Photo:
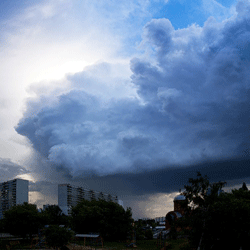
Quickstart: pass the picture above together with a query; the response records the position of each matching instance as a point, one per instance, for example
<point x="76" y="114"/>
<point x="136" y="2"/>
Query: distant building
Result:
<point x="12" y="193"/>
<point x="69" y="196"/>
<point x="160" y="220"/>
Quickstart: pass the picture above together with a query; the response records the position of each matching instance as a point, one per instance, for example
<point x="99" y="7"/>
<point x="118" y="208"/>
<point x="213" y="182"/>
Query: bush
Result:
<point x="107" y="218"/>
<point x="58" y="236"/>
<point x="22" y="220"/>
<point x="149" y="234"/>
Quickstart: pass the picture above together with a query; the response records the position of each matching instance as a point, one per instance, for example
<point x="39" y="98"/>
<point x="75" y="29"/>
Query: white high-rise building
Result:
<point x="69" y="196"/>
<point x="12" y="193"/>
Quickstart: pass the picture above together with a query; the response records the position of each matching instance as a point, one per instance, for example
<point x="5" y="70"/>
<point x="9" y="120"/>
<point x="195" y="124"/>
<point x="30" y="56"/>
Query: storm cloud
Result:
<point x="10" y="170"/>
<point x="187" y="102"/>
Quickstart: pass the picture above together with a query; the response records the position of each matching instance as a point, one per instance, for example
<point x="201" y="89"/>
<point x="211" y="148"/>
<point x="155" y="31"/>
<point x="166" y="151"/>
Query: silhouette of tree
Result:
<point x="108" y="218"/>
<point x="53" y="215"/>
<point x="57" y="237"/>
<point x="244" y="186"/>
<point x="218" y="220"/>
<point x="22" y="220"/>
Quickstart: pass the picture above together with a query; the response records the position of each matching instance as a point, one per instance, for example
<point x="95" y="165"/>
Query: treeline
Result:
<point x="214" y="219"/>
<point x="108" y="219"/>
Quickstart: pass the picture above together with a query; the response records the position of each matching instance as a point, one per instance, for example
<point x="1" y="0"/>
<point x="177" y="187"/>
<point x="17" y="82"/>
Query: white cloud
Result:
<point x="44" y="42"/>
<point x="217" y="10"/>
<point x="192" y="101"/>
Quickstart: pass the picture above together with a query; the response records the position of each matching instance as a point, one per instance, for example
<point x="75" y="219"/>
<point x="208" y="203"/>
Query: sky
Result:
<point x="130" y="98"/>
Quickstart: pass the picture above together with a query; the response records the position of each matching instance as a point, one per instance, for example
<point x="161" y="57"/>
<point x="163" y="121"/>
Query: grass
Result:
<point x="141" y="245"/>
<point x="18" y="244"/>
<point x="178" y="244"/>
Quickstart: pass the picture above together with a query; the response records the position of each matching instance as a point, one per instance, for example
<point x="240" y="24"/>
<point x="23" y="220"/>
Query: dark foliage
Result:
<point x="149" y="234"/>
<point x="107" y="218"/>
<point x="217" y="220"/>
<point x="1" y="226"/>
<point x="244" y="187"/>
<point x="143" y="228"/>
<point x="58" y="237"/>
<point x="22" y="220"/>
<point x="53" y="215"/>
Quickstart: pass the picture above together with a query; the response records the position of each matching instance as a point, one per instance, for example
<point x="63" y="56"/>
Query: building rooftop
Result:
<point x="179" y="198"/>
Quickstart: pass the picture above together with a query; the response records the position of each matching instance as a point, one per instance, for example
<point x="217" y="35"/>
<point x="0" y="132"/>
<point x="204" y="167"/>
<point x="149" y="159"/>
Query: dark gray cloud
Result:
<point x="9" y="170"/>
<point x="191" y="107"/>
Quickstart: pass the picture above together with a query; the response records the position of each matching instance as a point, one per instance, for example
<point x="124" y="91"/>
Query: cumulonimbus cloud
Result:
<point x="187" y="101"/>
<point x="10" y="170"/>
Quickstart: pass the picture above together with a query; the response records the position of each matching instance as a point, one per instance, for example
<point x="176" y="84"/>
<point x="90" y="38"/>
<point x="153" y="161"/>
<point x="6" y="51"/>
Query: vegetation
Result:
<point x="143" y="229"/>
<point x="53" y="215"/>
<point x="1" y="225"/>
<point x="216" y="220"/>
<point x="22" y="220"/>
<point x="107" y="218"/>
<point x="57" y="237"/>
<point x="141" y="245"/>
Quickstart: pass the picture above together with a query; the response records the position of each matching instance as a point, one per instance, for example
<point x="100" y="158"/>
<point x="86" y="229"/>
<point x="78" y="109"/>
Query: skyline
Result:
<point x="132" y="98"/>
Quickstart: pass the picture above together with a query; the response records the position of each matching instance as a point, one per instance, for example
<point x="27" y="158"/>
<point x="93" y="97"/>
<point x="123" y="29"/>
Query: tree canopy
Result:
<point x="22" y="220"/>
<point x="200" y="193"/>
<point x="217" y="219"/>
<point x="109" y="219"/>
<point x="53" y="215"/>
<point x="58" y="237"/>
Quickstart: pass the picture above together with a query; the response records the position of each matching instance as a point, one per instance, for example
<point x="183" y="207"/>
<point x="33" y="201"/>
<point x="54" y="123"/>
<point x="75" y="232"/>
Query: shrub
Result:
<point x="57" y="236"/>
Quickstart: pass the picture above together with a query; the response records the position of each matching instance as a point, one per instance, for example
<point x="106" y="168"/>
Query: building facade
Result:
<point x="12" y="193"/>
<point x="179" y="211"/>
<point x="160" y="220"/>
<point x="69" y="196"/>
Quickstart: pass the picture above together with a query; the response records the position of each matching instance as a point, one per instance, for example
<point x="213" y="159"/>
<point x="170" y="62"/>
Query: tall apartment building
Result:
<point x="69" y="196"/>
<point x="12" y="193"/>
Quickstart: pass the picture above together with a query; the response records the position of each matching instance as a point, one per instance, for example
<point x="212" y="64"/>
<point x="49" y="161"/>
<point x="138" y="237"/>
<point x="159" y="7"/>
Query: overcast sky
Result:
<point x="126" y="97"/>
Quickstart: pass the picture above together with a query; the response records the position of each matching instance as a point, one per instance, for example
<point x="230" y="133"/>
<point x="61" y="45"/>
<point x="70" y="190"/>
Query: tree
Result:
<point x="217" y="220"/>
<point x="53" y="215"/>
<point x="149" y="234"/>
<point x="229" y="217"/>
<point x="244" y="186"/>
<point x="143" y="228"/>
<point x="1" y="225"/>
<point x="200" y="193"/>
<point x="58" y="237"/>
<point x="140" y="233"/>
<point x="107" y="218"/>
<point x="22" y="219"/>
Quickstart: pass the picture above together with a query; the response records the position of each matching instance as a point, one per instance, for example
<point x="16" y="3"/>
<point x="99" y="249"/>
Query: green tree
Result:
<point x="22" y="220"/>
<point x="1" y="225"/>
<point x="229" y="217"/>
<point x="149" y="234"/>
<point x="140" y="233"/>
<point x="200" y="193"/>
<point x="217" y="220"/>
<point x="53" y="215"/>
<point x="107" y="218"/>
<point x="57" y="237"/>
